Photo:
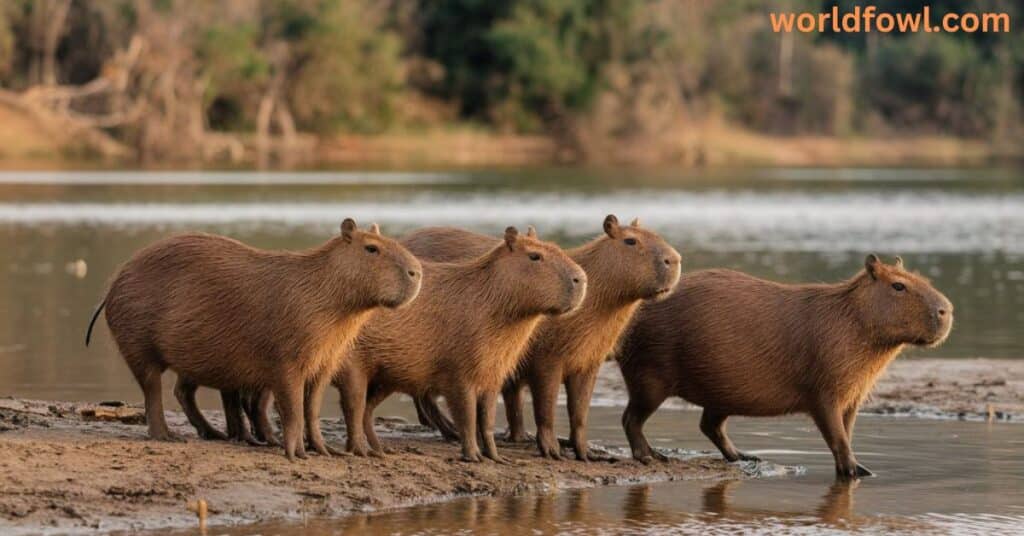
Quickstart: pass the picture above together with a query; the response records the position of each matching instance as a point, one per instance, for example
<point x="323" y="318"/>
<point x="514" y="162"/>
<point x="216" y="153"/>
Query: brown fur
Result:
<point x="569" y="349"/>
<point x="738" y="345"/>
<point x="229" y="316"/>
<point x="460" y="339"/>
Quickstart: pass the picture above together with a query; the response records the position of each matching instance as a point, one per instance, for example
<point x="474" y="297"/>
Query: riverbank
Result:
<point x="28" y="143"/>
<point x="64" y="469"/>
<point x="61" y="471"/>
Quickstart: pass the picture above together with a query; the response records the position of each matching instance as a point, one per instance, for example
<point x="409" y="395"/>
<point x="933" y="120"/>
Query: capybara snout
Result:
<point x="903" y="306"/>
<point x="393" y="275"/>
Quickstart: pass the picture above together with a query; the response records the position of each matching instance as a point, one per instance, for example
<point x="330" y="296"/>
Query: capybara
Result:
<point x="624" y="266"/>
<point x="460" y="339"/>
<point x="738" y="345"/>
<point x="229" y="316"/>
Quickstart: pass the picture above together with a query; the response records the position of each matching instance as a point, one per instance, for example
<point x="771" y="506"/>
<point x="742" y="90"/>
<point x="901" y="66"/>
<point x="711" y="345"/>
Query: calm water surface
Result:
<point x="62" y="235"/>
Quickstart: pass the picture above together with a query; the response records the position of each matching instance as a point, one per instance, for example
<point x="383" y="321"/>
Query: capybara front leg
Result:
<point x="849" y="419"/>
<point x="544" y="388"/>
<point x="830" y="422"/>
<point x="313" y="400"/>
<point x="352" y="385"/>
<point x="185" y="392"/>
<point x="462" y="403"/>
<point x="289" y="394"/>
<point x="633" y="418"/>
<point x="579" y="388"/>
<point x="512" y="393"/>
<point x="487" y="406"/>
<point x="712" y="424"/>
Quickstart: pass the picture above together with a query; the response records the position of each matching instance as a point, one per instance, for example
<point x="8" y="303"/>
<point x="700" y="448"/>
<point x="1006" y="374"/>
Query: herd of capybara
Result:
<point x="448" y="313"/>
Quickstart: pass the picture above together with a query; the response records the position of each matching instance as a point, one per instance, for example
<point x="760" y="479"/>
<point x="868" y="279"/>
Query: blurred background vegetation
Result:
<point x="640" y="81"/>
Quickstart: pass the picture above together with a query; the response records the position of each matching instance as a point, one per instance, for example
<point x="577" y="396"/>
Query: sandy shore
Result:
<point x="62" y="471"/>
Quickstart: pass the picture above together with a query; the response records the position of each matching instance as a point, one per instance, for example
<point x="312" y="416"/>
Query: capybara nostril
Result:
<point x="942" y="312"/>
<point x="412" y="274"/>
<point x="668" y="262"/>
<point x="576" y="281"/>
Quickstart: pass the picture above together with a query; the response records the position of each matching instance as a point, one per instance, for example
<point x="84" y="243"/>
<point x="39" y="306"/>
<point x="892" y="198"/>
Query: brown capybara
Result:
<point x="624" y="266"/>
<point x="460" y="339"/>
<point x="229" y="316"/>
<point x="738" y="345"/>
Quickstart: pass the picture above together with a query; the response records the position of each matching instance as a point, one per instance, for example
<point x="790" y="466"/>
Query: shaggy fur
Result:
<point x="229" y="316"/>
<point x="624" y="266"/>
<point x="460" y="339"/>
<point x="738" y="345"/>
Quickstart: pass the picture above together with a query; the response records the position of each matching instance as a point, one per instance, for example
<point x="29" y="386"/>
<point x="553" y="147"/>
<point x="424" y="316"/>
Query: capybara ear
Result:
<point x="636" y="222"/>
<point x="531" y="231"/>
<point x="375" y="229"/>
<point x="871" y="264"/>
<point x="611" y="226"/>
<point x="511" y="235"/>
<point x="899" y="262"/>
<point x="347" y="228"/>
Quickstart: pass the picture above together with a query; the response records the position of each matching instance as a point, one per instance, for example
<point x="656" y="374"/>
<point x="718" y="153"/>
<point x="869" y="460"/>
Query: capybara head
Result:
<point x="901" y="307"/>
<point x="382" y="271"/>
<point x="636" y="262"/>
<point x="536" y="276"/>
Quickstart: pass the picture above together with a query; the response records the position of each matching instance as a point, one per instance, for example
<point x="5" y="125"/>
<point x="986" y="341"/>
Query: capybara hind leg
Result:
<point x="712" y="424"/>
<point x="289" y="393"/>
<point x="238" y="427"/>
<point x="149" y="379"/>
<point x="830" y="423"/>
<point x="373" y="400"/>
<point x="432" y="414"/>
<point x="579" y="388"/>
<point x="633" y="419"/>
<point x="544" y="388"/>
<point x="512" y="394"/>
<point x="352" y="386"/>
<point x="462" y="403"/>
<point x="487" y="406"/>
<point x="185" y="392"/>
<point x="849" y="419"/>
<point x="421" y="412"/>
<point x="257" y="407"/>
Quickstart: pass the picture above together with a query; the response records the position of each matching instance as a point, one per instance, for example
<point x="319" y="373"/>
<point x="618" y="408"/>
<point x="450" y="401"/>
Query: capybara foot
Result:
<point x="864" y="471"/>
<point x="272" y="441"/>
<point x="212" y="434"/>
<point x="471" y="458"/>
<point x="587" y="456"/>
<point x="741" y="456"/>
<point x="551" y="453"/>
<point x="649" y="457"/>
<point x="167" y="435"/>
<point x="854" y="472"/>
<point x="501" y="460"/>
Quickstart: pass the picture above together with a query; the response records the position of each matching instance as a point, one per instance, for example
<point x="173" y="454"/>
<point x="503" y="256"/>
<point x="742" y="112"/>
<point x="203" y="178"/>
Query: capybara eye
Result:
<point x="630" y="241"/>
<point x="899" y="286"/>
<point x="535" y="256"/>
<point x="372" y="249"/>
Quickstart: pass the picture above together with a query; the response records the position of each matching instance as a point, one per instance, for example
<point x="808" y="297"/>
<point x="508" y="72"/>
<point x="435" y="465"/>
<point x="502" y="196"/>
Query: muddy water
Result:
<point x="62" y="235"/>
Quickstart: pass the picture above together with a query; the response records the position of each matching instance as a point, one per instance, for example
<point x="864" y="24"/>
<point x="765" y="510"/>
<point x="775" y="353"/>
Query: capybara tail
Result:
<point x="95" y="315"/>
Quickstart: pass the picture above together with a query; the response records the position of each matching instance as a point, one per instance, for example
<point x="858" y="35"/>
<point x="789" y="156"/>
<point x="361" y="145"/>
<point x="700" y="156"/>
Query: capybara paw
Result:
<point x="743" y="456"/>
<point x="864" y="471"/>
<point x="168" y="436"/>
<point x="212" y="435"/>
<point x="359" y="450"/>
<point x="551" y="453"/>
<point x="471" y="458"/>
<point x="337" y="452"/>
<point x="659" y="456"/>
<point x="849" y="473"/>
<point x="251" y="440"/>
<point x="501" y="460"/>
